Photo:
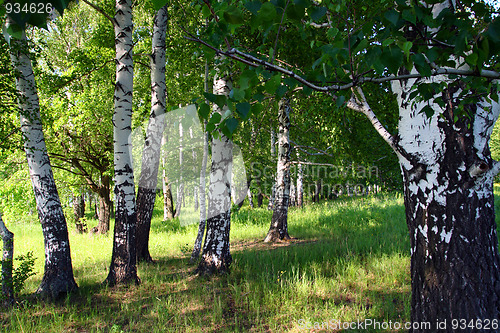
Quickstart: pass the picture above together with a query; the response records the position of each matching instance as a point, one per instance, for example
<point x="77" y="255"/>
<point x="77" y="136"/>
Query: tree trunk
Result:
<point x="300" y="183"/>
<point x="180" y="186"/>
<point x="448" y="186"/>
<point x="270" y="204"/>
<point x="168" y="200"/>
<point x="146" y="193"/>
<point x="105" y="206"/>
<point x="58" y="276"/>
<point x="7" y="264"/>
<point x="123" y="269"/>
<point x="79" y="212"/>
<point x="278" y="230"/>
<point x="216" y="256"/>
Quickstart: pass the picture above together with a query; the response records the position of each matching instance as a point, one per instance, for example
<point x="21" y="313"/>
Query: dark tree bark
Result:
<point x="105" y="205"/>
<point x="278" y="230"/>
<point x="451" y="220"/>
<point x="79" y="212"/>
<point x="146" y="193"/>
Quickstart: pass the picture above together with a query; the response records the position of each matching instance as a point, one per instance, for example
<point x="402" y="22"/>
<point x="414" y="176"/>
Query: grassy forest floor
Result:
<point x="348" y="261"/>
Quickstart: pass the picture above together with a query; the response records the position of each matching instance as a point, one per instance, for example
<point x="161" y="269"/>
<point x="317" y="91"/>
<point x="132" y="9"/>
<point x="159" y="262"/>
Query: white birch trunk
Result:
<point x="300" y="183"/>
<point x="448" y="184"/>
<point x="278" y="230"/>
<point x="216" y="256"/>
<point x="270" y="204"/>
<point x="58" y="273"/>
<point x="146" y="193"/>
<point x="123" y="262"/>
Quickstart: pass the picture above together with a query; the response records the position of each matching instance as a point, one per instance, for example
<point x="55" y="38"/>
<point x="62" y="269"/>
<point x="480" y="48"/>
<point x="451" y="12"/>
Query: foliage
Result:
<point x="348" y="44"/>
<point x="23" y="271"/>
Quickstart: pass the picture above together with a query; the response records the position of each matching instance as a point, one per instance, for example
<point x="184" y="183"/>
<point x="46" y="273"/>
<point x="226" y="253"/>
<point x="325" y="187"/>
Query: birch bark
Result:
<point x="146" y="193"/>
<point x="278" y="230"/>
<point x="216" y="256"/>
<point x="123" y="268"/>
<point x="58" y="276"/>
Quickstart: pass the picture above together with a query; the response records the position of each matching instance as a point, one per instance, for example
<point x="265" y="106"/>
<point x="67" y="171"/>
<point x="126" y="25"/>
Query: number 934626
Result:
<point x="29" y="8"/>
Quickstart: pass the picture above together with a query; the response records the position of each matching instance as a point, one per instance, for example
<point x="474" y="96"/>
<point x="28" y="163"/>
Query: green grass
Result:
<point x="348" y="261"/>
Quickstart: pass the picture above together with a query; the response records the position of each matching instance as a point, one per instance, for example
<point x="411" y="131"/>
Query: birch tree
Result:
<point x="278" y="230"/>
<point x="442" y="58"/>
<point x="58" y="276"/>
<point x="146" y="192"/>
<point x="123" y="268"/>
<point x="216" y="256"/>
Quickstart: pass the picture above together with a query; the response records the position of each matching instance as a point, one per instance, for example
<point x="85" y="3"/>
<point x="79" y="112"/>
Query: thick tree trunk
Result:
<point x="146" y="193"/>
<point x="58" y="276"/>
<point x="105" y="206"/>
<point x="216" y="256"/>
<point x="448" y="181"/>
<point x="278" y="230"/>
<point x="123" y="269"/>
<point x="7" y="264"/>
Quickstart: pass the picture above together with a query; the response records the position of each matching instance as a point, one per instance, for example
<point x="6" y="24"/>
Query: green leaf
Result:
<point x="392" y="16"/>
<point x="231" y="124"/>
<point x="493" y="31"/>
<point x="406" y="47"/>
<point x="340" y="101"/>
<point x="272" y="84"/>
<point x="204" y="110"/>
<point x="237" y="94"/>
<point x="429" y="112"/>
<point x="409" y="16"/>
<point x="332" y="33"/>
<point x="243" y="110"/>
<point x="392" y="58"/>
<point x="421" y="64"/>
<point x="267" y="12"/>
<point x="233" y="15"/>
<point x="471" y="59"/>
<point x="215" y="119"/>
<point x="316" y="13"/>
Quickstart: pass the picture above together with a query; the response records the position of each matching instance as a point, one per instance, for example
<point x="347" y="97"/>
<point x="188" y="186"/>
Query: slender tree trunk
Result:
<point x="216" y="256"/>
<point x="123" y="268"/>
<point x="7" y="264"/>
<point x="272" y="197"/>
<point x="260" y="196"/>
<point x="180" y="187"/>
<point x="79" y="212"/>
<point x="58" y="276"/>
<point x="300" y="183"/>
<point x="146" y="193"/>
<point x="249" y="193"/>
<point x="278" y="230"/>
<point x="168" y="200"/>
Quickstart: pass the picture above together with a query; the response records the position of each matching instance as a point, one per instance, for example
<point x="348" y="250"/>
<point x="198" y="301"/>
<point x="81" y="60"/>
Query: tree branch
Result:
<point x="100" y="10"/>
